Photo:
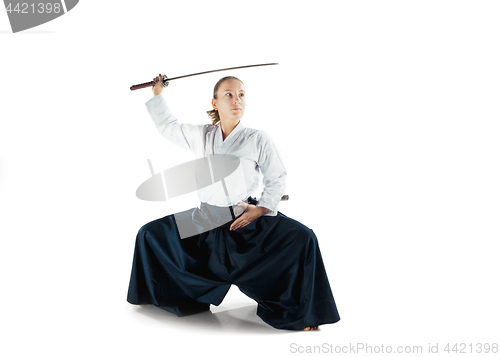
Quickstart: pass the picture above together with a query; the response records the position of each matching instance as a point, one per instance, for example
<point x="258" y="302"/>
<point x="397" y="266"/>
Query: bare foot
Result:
<point x="311" y="328"/>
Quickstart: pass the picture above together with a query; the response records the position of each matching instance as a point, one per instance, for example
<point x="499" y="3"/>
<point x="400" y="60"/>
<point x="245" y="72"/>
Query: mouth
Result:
<point x="236" y="109"/>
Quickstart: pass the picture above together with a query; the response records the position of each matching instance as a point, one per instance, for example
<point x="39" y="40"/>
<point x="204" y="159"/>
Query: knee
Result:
<point x="303" y="233"/>
<point x="146" y="233"/>
<point x="157" y="231"/>
<point x="140" y="239"/>
<point x="308" y="236"/>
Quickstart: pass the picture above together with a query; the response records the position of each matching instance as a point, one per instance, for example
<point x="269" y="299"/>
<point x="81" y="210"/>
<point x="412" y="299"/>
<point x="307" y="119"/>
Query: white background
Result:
<point x="386" y="116"/>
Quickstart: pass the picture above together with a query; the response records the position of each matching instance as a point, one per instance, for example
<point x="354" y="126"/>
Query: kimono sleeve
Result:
<point x="274" y="175"/>
<point x="183" y="135"/>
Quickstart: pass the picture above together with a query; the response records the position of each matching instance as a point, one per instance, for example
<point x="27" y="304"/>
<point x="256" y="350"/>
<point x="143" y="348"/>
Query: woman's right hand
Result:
<point x="158" y="87"/>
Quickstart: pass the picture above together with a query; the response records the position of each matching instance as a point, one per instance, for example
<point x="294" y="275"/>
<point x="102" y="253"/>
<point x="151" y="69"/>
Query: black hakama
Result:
<point x="275" y="260"/>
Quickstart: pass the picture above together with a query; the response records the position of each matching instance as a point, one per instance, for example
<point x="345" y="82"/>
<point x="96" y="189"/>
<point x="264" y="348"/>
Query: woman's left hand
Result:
<point x="251" y="213"/>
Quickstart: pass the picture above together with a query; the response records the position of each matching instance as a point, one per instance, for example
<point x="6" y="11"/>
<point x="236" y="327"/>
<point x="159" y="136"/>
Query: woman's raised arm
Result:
<point x="184" y="135"/>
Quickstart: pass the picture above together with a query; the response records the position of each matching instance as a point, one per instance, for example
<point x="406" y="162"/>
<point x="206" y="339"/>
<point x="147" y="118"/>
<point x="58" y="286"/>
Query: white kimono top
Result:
<point x="254" y="148"/>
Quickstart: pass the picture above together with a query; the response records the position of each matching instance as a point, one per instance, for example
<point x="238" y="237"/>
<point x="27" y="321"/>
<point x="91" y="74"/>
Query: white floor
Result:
<point x="233" y="328"/>
<point x="235" y="315"/>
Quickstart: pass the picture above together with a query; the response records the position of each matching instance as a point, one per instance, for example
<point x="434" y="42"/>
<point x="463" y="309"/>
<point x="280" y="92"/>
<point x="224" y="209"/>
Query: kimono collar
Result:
<point x="230" y="139"/>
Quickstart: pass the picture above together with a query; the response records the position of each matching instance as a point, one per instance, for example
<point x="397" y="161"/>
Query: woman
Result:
<point x="272" y="258"/>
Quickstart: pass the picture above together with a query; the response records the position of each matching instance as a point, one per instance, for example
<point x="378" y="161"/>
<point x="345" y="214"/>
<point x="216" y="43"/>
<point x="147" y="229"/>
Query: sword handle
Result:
<point x="142" y="85"/>
<point x="164" y="81"/>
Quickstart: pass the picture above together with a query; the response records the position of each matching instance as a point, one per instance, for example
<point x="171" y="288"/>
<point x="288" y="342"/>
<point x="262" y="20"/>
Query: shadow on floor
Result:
<point x="235" y="320"/>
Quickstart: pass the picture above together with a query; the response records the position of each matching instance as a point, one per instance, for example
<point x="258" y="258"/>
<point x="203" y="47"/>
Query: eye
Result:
<point x="229" y="94"/>
<point x="242" y="94"/>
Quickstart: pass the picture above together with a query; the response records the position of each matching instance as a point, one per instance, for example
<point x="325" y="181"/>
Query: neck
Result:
<point x="227" y="126"/>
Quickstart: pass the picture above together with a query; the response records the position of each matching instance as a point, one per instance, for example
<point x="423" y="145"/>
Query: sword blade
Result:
<point x="219" y="70"/>
<point x="152" y="83"/>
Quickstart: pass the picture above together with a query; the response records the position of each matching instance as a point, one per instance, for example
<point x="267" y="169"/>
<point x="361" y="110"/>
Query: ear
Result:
<point x="214" y="103"/>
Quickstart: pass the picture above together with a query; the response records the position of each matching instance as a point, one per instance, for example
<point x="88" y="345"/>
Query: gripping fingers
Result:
<point x="157" y="89"/>
<point x="156" y="81"/>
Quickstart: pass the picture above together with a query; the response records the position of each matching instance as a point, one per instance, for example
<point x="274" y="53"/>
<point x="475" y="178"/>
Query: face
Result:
<point x="230" y="100"/>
